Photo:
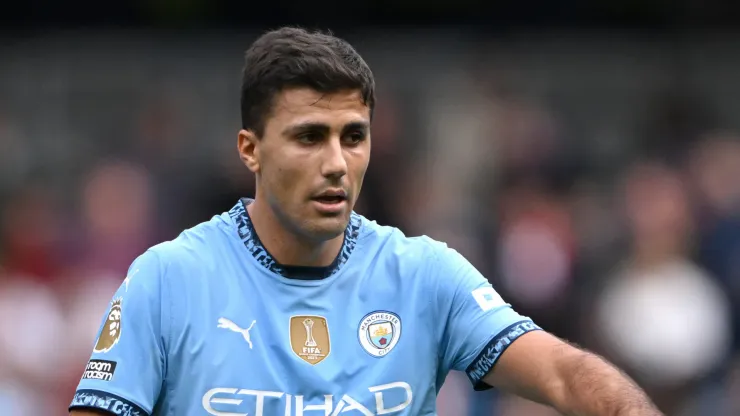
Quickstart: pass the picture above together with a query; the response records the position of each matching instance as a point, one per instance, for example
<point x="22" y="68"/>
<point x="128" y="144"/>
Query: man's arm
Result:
<point x="126" y="368"/>
<point x="496" y="346"/>
<point x="542" y="368"/>
<point x="87" y="413"/>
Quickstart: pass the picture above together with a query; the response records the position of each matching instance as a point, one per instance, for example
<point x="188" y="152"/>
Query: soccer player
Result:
<point x="292" y="304"/>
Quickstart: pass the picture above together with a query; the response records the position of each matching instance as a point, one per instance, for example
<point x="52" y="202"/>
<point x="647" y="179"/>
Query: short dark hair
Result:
<point x="293" y="57"/>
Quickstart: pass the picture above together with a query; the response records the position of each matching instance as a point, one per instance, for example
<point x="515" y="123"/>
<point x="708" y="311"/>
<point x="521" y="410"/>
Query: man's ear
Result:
<point x="249" y="150"/>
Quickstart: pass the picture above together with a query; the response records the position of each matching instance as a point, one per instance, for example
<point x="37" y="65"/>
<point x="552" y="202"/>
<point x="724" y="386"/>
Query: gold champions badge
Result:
<point x="309" y="338"/>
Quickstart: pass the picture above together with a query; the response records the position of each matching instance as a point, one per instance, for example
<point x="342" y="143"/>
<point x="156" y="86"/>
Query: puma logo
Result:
<point x="127" y="280"/>
<point x="227" y="324"/>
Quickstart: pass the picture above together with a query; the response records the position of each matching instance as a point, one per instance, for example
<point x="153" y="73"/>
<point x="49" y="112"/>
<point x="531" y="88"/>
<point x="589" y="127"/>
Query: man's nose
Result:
<point x="334" y="163"/>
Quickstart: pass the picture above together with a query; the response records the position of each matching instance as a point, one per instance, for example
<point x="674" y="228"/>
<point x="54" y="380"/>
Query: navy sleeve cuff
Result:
<point x="487" y="358"/>
<point x="100" y="400"/>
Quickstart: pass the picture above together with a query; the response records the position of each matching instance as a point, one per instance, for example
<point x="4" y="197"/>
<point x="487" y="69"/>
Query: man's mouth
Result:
<point x="332" y="196"/>
<point x="331" y="201"/>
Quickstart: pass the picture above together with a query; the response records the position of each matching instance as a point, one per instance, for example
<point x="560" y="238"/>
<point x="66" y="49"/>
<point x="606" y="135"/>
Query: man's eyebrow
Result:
<point x="323" y="128"/>
<point x="303" y="127"/>
<point x="363" y="126"/>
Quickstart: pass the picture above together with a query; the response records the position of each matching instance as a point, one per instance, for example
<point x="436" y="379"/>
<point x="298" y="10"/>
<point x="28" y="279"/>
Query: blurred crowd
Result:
<point x="596" y="183"/>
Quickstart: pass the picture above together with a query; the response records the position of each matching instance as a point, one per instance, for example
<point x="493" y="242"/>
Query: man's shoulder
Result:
<point x="392" y="241"/>
<point x="202" y="244"/>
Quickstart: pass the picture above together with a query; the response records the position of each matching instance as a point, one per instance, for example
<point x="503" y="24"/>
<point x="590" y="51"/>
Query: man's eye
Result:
<point x="309" y="138"/>
<point x="356" y="137"/>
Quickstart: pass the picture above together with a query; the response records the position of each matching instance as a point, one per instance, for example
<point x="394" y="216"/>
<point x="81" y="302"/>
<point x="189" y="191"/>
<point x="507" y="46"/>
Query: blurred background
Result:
<point x="586" y="158"/>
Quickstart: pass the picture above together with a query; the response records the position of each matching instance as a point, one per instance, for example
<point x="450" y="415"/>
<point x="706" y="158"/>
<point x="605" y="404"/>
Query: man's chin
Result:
<point x="328" y="228"/>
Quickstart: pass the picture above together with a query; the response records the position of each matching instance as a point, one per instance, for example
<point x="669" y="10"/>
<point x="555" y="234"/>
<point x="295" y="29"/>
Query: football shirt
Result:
<point x="211" y="323"/>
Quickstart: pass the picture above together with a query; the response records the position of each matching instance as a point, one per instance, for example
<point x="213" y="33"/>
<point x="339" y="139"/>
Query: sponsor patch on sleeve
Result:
<point x="99" y="370"/>
<point x="487" y="298"/>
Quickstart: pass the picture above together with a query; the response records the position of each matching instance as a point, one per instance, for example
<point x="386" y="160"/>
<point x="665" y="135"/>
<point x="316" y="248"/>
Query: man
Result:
<point x="291" y="304"/>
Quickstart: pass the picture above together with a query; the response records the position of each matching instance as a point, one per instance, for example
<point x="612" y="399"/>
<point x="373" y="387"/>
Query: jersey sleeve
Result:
<point x="126" y="370"/>
<point x="478" y="324"/>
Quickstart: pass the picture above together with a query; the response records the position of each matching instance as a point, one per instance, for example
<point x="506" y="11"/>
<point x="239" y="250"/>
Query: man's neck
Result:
<point x="289" y="248"/>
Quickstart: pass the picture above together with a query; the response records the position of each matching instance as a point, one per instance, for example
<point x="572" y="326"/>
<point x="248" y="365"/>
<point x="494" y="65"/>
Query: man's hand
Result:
<point x="540" y="367"/>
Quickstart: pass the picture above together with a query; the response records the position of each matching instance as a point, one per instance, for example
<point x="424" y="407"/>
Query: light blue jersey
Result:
<point x="211" y="324"/>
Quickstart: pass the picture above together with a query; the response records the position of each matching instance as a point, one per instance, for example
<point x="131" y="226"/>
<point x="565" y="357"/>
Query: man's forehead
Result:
<point x="308" y="100"/>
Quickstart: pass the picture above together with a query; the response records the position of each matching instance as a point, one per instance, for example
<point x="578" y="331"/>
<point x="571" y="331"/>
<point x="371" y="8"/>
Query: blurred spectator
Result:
<point x="117" y="212"/>
<point x="663" y="317"/>
<point x="715" y="169"/>
<point x="32" y="325"/>
<point x="31" y="237"/>
<point x="537" y="247"/>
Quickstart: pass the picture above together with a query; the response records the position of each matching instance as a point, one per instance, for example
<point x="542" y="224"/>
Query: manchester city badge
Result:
<point x="379" y="332"/>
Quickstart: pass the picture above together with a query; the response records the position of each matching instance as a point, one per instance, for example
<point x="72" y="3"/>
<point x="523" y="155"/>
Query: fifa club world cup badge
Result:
<point x="379" y="332"/>
<point x="309" y="338"/>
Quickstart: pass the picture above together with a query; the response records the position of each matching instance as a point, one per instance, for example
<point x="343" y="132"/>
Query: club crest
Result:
<point x="379" y="332"/>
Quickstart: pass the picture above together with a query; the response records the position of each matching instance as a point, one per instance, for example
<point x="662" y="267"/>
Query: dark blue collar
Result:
<point x="253" y="244"/>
